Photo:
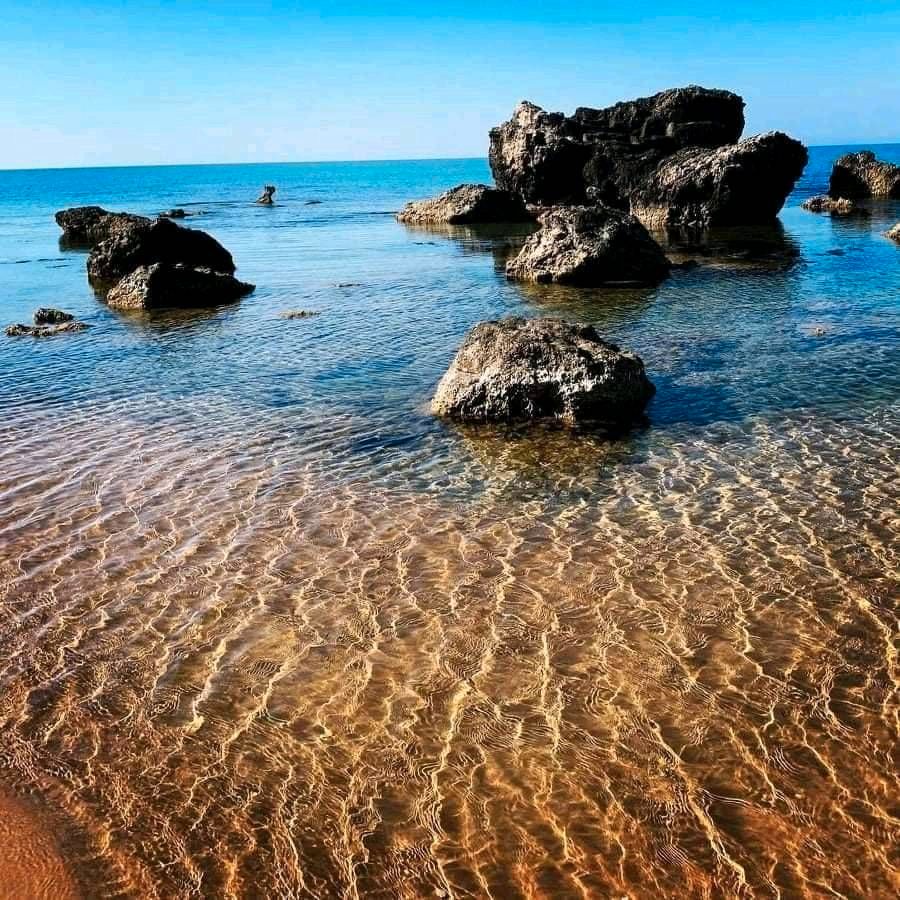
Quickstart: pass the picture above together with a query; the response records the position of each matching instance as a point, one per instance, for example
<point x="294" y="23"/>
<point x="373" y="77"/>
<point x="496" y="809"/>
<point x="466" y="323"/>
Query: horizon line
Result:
<point x="325" y="162"/>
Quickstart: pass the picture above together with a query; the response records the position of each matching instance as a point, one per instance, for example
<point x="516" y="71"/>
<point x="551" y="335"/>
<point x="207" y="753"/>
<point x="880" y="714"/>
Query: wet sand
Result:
<point x="31" y="864"/>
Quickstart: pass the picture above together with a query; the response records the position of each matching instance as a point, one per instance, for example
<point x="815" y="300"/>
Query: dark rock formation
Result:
<point x="266" y="197"/>
<point x="859" y="175"/>
<point x="671" y="159"/>
<point x="88" y="225"/>
<point x="840" y="206"/>
<point x="465" y="205"/>
<point x="520" y="369"/>
<point x="168" y="285"/>
<point x="176" y="213"/>
<point x="47" y="316"/>
<point x="604" y="154"/>
<point x="744" y="183"/>
<point x="589" y="246"/>
<point x="20" y="330"/>
<point x="894" y="233"/>
<point x="148" y="242"/>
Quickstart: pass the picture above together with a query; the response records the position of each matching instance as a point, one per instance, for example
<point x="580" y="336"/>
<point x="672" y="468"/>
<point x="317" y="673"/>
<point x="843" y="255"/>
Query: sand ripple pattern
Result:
<point x="237" y="677"/>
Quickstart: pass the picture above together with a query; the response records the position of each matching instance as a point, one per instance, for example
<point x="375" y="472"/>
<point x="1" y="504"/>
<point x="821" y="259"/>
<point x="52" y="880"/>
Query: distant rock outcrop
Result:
<point x="466" y="204"/>
<point x="744" y="183"/>
<point x="168" y="285"/>
<point x="590" y="246"/>
<point x="149" y="242"/>
<point x="521" y="369"/>
<point x="88" y="225"/>
<point x="860" y="175"/>
<point x="672" y="158"/>
<point x="267" y="197"/>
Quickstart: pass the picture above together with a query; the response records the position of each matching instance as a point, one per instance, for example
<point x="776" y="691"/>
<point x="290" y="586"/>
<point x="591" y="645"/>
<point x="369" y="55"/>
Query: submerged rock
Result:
<point x="20" y="330"/>
<point x="161" y="241"/>
<point x="466" y="204"/>
<point x="589" y="246"/>
<point x="840" y="206"/>
<point x="894" y="233"/>
<point x="168" y="285"/>
<point x="860" y="175"/>
<point x="299" y="314"/>
<point x="88" y="225"/>
<point x="47" y="316"/>
<point x="521" y="369"/>
<point x="743" y="183"/>
<point x="177" y="213"/>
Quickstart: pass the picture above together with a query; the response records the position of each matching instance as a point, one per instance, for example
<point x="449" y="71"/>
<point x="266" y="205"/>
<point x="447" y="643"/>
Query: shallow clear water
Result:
<point x="269" y="629"/>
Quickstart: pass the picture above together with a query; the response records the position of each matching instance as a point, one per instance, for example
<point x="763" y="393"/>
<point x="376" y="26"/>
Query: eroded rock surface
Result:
<point x="744" y="183"/>
<point x="604" y="154"/>
<point x="466" y="204"/>
<point x="524" y="369"/>
<point x="162" y="241"/>
<point x="167" y="285"/>
<point x="860" y="175"/>
<point x="88" y="225"/>
<point x="589" y="246"/>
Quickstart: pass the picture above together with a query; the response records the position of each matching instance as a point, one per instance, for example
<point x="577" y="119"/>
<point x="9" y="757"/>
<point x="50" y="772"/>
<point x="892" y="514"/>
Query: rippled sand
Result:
<point x="675" y="676"/>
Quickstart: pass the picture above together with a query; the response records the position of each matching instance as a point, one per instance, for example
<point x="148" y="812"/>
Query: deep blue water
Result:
<point x="800" y="317"/>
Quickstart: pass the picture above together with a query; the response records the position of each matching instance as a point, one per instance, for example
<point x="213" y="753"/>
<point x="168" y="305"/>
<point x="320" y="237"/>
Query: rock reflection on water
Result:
<point x="238" y="677"/>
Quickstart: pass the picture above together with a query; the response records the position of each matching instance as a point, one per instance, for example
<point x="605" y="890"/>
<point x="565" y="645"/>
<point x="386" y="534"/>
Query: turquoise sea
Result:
<point x="268" y="628"/>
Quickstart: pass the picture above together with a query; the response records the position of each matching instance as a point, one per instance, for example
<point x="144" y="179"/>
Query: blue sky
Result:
<point x="107" y="83"/>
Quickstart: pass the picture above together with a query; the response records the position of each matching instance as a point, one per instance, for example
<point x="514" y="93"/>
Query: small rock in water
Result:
<point x="590" y="245"/>
<point x="348" y="284"/>
<point x="47" y="316"/>
<point x="527" y="369"/>
<point x="299" y="314"/>
<point x="173" y="214"/>
<point x="894" y="233"/>
<point x="840" y="206"/>
<point x="312" y="202"/>
<point x="20" y="330"/>
<point x="266" y="197"/>
<point x="836" y="252"/>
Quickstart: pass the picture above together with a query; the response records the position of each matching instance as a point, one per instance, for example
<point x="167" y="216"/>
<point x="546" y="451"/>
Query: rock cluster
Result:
<point x="590" y="245"/>
<point x="860" y="175"/>
<point x="521" y="369"/>
<point x="674" y="158"/>
<point x="839" y="206"/>
<point x="47" y="322"/>
<point x="141" y="263"/>
<point x="466" y="204"/>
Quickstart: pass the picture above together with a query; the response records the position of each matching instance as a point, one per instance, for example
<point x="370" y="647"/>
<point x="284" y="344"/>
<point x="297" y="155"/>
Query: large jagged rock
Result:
<point x="466" y="204"/>
<point x="604" y="154"/>
<point x="589" y="246"/>
<point x="161" y="241"/>
<point x="857" y="176"/>
<point x="521" y="369"/>
<point x="744" y="183"/>
<point x="167" y="285"/>
<point x="88" y="225"/>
